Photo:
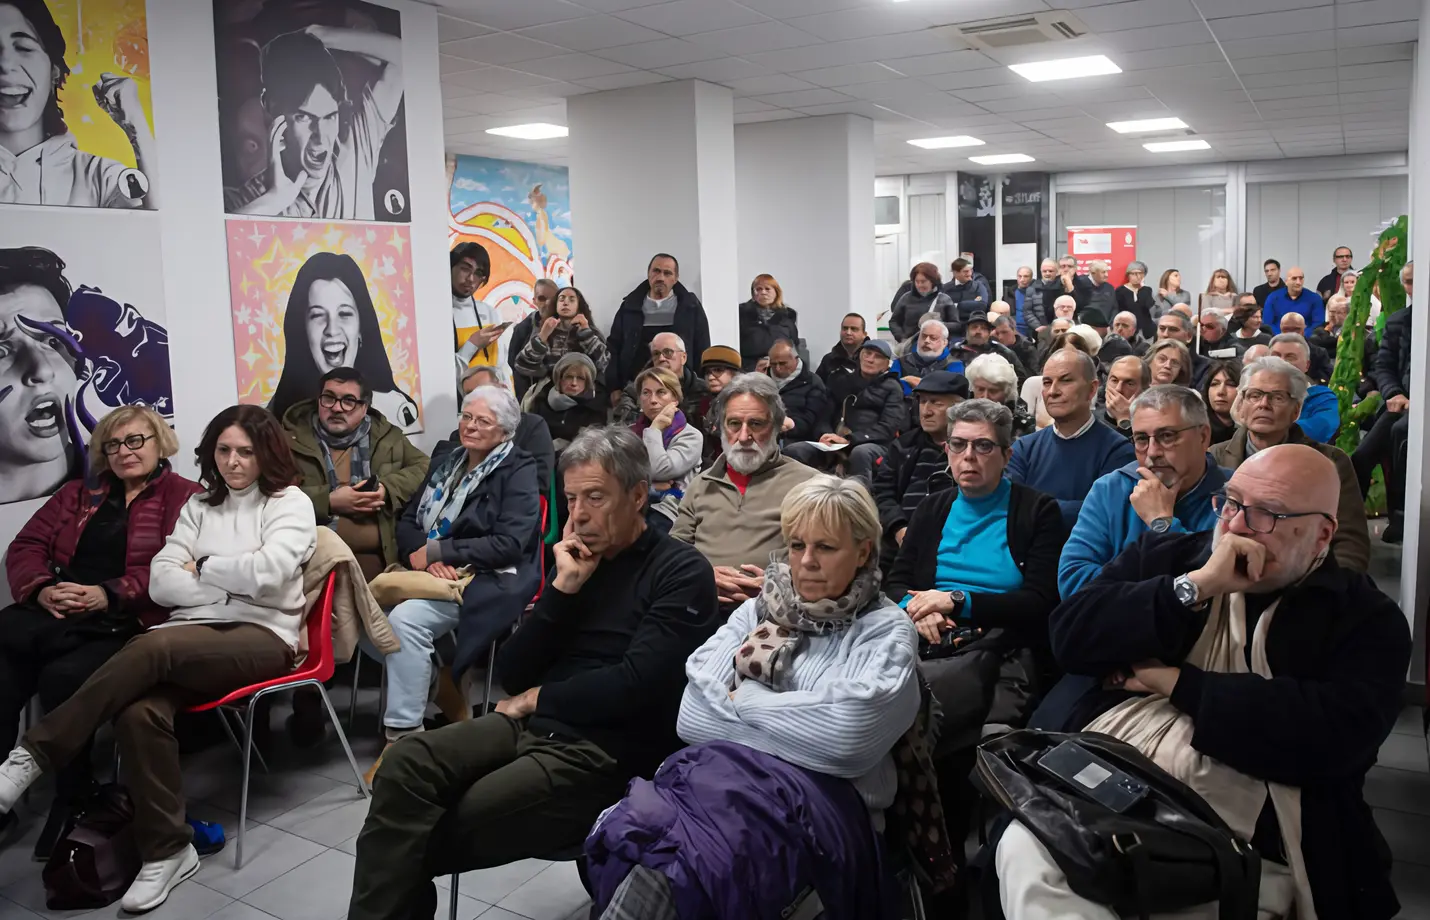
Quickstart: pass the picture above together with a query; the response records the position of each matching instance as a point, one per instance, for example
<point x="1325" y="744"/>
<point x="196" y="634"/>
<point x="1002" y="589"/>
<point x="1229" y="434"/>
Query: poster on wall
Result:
<point x="311" y="116"/>
<point x="1117" y="246"/>
<point x="76" y="123"/>
<point x="308" y="297"/>
<point x="521" y="215"/>
<point x="82" y="331"/>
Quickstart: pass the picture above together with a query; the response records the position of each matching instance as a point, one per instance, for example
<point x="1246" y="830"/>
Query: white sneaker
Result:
<point x="16" y="774"/>
<point x="157" y="879"/>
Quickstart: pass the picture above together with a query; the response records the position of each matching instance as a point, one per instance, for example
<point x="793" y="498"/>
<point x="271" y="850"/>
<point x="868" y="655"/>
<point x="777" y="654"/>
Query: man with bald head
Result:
<point x="1295" y="297"/>
<point x="1124" y="326"/>
<point x="1319" y="363"/>
<point x="1275" y="674"/>
<point x="667" y="352"/>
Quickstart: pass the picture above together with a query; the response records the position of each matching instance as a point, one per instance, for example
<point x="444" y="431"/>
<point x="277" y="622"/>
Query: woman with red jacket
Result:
<point x="79" y="574"/>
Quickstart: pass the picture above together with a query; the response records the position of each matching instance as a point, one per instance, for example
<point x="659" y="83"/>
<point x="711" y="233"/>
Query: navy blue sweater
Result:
<point x="1066" y="469"/>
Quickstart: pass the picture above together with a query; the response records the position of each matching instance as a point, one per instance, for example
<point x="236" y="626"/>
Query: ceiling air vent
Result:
<point x="1035" y="29"/>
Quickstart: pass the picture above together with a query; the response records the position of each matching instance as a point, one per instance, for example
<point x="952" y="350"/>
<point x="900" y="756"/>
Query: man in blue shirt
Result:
<point x="1321" y="412"/>
<point x="1067" y="457"/>
<point x="1293" y="298"/>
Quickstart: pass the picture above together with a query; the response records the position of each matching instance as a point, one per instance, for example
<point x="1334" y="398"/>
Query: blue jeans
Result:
<point x="418" y="624"/>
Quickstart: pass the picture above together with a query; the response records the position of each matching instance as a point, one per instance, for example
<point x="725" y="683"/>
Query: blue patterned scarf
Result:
<point x="448" y="489"/>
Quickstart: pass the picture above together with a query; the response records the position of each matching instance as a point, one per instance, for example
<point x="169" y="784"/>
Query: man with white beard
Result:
<point x="731" y="512"/>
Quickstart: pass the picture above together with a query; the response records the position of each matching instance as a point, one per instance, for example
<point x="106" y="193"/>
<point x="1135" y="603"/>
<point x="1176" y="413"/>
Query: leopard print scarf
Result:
<point x="786" y="620"/>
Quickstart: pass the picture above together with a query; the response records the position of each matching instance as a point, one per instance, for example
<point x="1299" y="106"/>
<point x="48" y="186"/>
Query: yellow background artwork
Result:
<point x="102" y="36"/>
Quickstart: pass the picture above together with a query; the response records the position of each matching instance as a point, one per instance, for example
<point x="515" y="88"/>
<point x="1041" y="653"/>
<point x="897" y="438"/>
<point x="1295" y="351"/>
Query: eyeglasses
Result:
<point x="1166" y="437"/>
<point x="347" y="403"/>
<point x="1276" y="398"/>
<point x="665" y="352"/>
<point x="756" y="426"/>
<point x="481" y="424"/>
<point x="1258" y="520"/>
<point x="133" y="442"/>
<point x="981" y="446"/>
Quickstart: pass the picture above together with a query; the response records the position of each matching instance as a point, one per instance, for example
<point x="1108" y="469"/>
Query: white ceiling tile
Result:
<point x="1294" y="91"/>
<point x="1245" y="28"/>
<point x="859" y="23"/>
<point x="761" y="86"/>
<point x="772" y="115"/>
<point x="577" y="67"/>
<point x="1308" y="43"/>
<point x="818" y="96"/>
<point x="503" y="14"/>
<point x="1367" y="86"/>
<point x="447" y="64"/>
<point x="494" y="79"/>
<point x="946" y="62"/>
<point x="593" y="33"/>
<point x="1138" y="14"/>
<point x="744" y="105"/>
<point x="624" y="80"/>
<point x="873" y="48"/>
<point x="769" y="37"/>
<point x="1399" y="69"/>
<point x="1115" y="43"/>
<point x="500" y="48"/>
<point x="1373" y="54"/>
<point x="721" y="70"/>
<point x="451" y="29"/>
<point x="548" y="91"/>
<point x="1372" y="12"/>
<point x="687" y="17"/>
<point x="1279" y="78"/>
<point x="850" y="74"/>
<point x="868" y="110"/>
<point x="662" y="53"/>
<point x="1373" y="35"/>
<point x="617" y="6"/>
<point x="968" y="79"/>
<point x="904" y="87"/>
<point x="1205" y="53"/>
<point x="789" y="9"/>
<point x="1215" y="9"/>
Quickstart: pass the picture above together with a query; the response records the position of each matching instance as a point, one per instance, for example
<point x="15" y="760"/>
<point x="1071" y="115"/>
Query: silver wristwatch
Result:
<point x="1186" y="590"/>
<point x="1160" y="525"/>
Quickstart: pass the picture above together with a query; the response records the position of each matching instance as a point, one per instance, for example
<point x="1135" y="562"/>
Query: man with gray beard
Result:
<point x="731" y="512"/>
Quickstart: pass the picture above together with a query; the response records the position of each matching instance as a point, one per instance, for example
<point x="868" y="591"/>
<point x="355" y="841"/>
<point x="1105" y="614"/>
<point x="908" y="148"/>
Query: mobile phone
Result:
<point x="1093" y="777"/>
<point x="367" y="485"/>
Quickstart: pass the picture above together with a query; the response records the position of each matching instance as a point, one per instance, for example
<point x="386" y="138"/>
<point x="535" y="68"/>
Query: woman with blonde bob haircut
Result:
<point x="793" y="710"/>
<point x="79" y="574"/>
<point x="765" y="319"/>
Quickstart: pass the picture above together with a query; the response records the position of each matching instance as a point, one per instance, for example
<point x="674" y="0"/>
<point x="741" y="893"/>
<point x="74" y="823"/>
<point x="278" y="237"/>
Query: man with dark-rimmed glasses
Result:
<point x="1256" y="670"/>
<point x="1166" y="489"/>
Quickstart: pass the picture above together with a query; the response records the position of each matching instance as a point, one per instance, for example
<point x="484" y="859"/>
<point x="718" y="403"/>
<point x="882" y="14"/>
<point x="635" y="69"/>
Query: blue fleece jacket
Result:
<point x="1320" y="414"/>
<point x="1108" y="524"/>
<point x="914" y="365"/>
<point x="1279" y="303"/>
<point x="1066" y="468"/>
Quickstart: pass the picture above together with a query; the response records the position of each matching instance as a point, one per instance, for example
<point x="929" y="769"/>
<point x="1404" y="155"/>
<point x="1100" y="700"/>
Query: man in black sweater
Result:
<point x="597" y="672"/>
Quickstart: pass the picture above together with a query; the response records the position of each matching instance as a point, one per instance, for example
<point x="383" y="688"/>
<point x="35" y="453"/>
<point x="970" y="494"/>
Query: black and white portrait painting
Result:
<point x="311" y="116"/>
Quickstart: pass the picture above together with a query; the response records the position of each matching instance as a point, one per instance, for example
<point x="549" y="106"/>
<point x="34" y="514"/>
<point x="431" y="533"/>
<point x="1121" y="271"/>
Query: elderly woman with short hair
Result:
<point x="993" y="378"/>
<point x="479" y="512"/>
<point x="574" y="400"/>
<point x="793" y="708"/>
<point x="1170" y="362"/>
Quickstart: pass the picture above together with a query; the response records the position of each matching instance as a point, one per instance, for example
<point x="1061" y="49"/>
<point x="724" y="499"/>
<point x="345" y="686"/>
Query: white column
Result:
<point x="653" y="170"/>
<point x="807" y="217"/>
<point x="1415" y="560"/>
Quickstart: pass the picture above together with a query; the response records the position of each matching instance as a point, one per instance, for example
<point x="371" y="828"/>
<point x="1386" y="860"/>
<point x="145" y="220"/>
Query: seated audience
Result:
<point x="731" y="512"/>
<point x="1272" y="716"/>
<point x="1218" y="391"/>
<point x="570" y="329"/>
<point x="866" y="412"/>
<point x="805" y="398"/>
<point x="673" y="446"/>
<point x="667" y="353"/>
<point x="1321" y="363"/>
<point x="1110" y="347"/>
<point x="479" y="509"/>
<point x="978" y="340"/>
<point x="232" y="571"/>
<point x="573" y="402"/>
<point x="992" y="378"/>
<point x="356" y="467"/>
<point x="843" y="358"/>
<point x="915" y="465"/>
<point x="532" y="435"/>
<point x="930" y="352"/>
<point x="794" y="709"/>
<point x="1066" y="458"/>
<point x="596" y="673"/>
<point x="1007" y="335"/>
<point x="764" y="320"/>
<point x="1064" y="306"/>
<point x="1254" y="352"/>
<point x="718" y="366"/>
<point x="1328" y="337"/>
<point x="1125" y="327"/>
<point x="1167" y="488"/>
<point x="1268" y="401"/>
<point x="1245" y="323"/>
<point x="1169" y="362"/>
<point x="1032" y="390"/>
<point x="1127" y="377"/>
<point x="1216" y="342"/>
<point x="1135" y="299"/>
<point x="79" y="573"/>
<point x="1321" y="412"/>
<point x="923" y="296"/>
<point x="1385" y="444"/>
<point x="1177" y="326"/>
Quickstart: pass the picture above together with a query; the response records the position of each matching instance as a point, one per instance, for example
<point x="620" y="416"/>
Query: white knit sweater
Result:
<point x="853" y="694"/>
<point x="256" y="547"/>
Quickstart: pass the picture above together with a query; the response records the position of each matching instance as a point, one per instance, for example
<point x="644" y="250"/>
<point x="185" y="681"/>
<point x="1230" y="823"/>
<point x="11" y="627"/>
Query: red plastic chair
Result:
<point x="316" y="669"/>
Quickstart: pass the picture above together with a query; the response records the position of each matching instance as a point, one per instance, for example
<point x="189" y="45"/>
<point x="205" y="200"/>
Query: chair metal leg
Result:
<point x="347" y="749"/>
<point x="916" y="897"/>
<point x="243" y="797"/>
<point x="352" y="700"/>
<point x="228" y="729"/>
<point x="452" y="896"/>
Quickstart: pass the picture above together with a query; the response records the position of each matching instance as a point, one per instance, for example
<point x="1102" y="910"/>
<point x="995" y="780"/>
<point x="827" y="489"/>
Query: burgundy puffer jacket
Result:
<point x="48" y="539"/>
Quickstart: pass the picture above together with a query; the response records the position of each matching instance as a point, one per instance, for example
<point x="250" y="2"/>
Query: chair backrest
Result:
<point x="320" y="662"/>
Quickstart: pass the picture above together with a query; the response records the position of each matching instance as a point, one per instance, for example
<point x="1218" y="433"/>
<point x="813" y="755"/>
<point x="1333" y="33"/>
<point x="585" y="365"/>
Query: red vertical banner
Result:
<point x="1117" y="246"/>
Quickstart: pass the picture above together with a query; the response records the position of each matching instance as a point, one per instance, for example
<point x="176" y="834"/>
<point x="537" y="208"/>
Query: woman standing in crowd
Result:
<point x="795" y="708"/>
<point x="1169" y="362"/>
<point x="1221" y="292"/>
<point x="1219" y="392"/>
<point x="993" y="378"/>
<point x="79" y="573"/>
<point x="924" y="297"/>
<point x="570" y="330"/>
<point x="572" y="401"/>
<point x="1136" y="298"/>
<point x="763" y="319"/>
<point x="672" y="444"/>
<point x="1169" y="294"/>
<point x="1247" y="319"/>
<point x="232" y="571"/>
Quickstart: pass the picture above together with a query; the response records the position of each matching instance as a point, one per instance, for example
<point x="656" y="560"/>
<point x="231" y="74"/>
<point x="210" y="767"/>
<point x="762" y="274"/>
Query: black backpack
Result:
<point x="1168" y="852"/>
<point x="96" y="860"/>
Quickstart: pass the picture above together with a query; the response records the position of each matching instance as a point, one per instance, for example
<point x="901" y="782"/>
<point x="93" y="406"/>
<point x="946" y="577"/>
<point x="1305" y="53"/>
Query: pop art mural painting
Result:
<point x="310" y="296"/>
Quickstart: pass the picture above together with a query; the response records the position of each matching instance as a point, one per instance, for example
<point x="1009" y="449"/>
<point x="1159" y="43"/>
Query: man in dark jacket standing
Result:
<point x="596" y="672"/>
<point x="804" y="395"/>
<point x="843" y="358"/>
<point x="1331" y="284"/>
<point x="659" y="304"/>
<point x="1293" y="712"/>
<point x="969" y="292"/>
<point x="1385" y="443"/>
<point x="1037" y="305"/>
<point x="866" y="413"/>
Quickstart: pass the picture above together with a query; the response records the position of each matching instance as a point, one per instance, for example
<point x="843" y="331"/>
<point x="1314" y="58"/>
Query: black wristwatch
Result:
<point x="959" y="599"/>
<point x="199" y="565"/>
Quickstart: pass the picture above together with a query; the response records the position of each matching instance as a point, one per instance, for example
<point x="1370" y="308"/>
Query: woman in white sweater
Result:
<point x="672" y="444"/>
<point x="232" y="569"/>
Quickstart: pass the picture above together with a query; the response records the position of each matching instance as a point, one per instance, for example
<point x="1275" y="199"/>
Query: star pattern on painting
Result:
<point x="398" y="242"/>
<point x="256" y="237"/>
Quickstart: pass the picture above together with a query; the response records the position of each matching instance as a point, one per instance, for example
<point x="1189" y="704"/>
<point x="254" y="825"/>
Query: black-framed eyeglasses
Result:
<point x="133" y="442"/>
<point x="1166" y="438"/>
<point x="665" y="352"/>
<point x="1277" y="398"/>
<point x="346" y="403"/>
<point x="1258" y="520"/>
<point x="981" y="446"/>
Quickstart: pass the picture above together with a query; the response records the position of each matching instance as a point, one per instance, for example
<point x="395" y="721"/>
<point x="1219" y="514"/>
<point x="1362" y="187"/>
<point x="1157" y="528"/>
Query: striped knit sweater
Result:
<point x="853" y="693"/>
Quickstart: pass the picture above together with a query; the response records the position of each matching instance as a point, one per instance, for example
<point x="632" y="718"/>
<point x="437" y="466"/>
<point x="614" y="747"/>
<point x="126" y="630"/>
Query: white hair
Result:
<point x="1296" y="381"/>
<point x="1052" y="262"/>
<point x="1131" y="316"/>
<point x="1096" y="265"/>
<point x="934" y="322"/>
<point x="503" y="405"/>
<point x="994" y="370"/>
<point x="1089" y="336"/>
<point x="680" y="343"/>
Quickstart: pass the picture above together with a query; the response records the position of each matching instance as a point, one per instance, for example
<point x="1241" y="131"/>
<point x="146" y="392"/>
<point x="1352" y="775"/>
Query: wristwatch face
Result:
<point x="1186" y="591"/>
<point x="958" y="597"/>
<point x="1160" y="525"/>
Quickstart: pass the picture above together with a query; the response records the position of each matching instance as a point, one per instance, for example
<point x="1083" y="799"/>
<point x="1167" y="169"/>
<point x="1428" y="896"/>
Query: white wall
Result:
<point x="806" y="216"/>
<point x="1302" y="223"/>
<point x="1181" y="228"/>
